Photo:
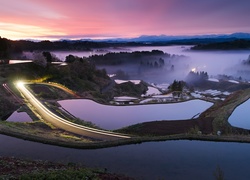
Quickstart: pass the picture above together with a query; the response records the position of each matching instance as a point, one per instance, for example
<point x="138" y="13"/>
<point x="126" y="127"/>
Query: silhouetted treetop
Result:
<point x="148" y="58"/>
<point x="4" y="48"/>
<point x="196" y="77"/>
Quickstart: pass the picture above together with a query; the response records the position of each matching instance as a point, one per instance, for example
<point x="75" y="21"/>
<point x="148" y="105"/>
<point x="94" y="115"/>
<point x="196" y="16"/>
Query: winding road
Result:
<point x="59" y="122"/>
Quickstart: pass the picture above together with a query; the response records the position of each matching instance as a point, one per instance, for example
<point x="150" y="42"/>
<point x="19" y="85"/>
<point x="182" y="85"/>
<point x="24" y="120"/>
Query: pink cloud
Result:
<point x="127" y="18"/>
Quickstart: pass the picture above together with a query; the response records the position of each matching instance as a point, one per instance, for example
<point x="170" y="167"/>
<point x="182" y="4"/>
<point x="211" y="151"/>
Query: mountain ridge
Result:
<point x="168" y="38"/>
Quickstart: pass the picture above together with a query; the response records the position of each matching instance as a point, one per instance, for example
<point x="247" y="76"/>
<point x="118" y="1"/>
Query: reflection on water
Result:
<point x="19" y="117"/>
<point x="240" y="116"/>
<point x="154" y="160"/>
<point x="114" y="117"/>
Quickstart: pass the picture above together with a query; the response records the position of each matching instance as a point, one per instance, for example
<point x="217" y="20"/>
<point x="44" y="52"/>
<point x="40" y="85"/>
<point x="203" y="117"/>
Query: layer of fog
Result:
<point x="213" y="62"/>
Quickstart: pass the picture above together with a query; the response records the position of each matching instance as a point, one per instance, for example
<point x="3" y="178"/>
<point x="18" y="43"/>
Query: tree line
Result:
<point x="231" y="45"/>
<point x="154" y="58"/>
<point x="10" y="47"/>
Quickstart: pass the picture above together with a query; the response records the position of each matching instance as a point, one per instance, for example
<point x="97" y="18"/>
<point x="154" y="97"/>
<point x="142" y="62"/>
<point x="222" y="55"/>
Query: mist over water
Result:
<point x="217" y="62"/>
<point x="212" y="62"/>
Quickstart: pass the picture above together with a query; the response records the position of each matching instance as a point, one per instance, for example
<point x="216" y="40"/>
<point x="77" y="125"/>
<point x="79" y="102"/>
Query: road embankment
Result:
<point x="59" y="122"/>
<point x="36" y="134"/>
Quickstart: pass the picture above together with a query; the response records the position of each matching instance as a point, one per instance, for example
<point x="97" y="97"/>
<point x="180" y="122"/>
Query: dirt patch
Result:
<point x="161" y="128"/>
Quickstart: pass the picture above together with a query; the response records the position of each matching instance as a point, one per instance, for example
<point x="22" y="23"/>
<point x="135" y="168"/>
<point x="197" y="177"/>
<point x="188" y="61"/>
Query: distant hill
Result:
<point x="165" y="38"/>
<point x="9" y="47"/>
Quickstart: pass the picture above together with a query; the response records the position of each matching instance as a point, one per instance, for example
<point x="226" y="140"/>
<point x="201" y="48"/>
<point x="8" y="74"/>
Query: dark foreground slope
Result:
<point x="13" y="168"/>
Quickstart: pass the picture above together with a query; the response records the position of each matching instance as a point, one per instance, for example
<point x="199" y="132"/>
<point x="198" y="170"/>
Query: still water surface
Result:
<point x="19" y="117"/>
<point x="241" y="116"/>
<point x="153" y="160"/>
<point x="114" y="117"/>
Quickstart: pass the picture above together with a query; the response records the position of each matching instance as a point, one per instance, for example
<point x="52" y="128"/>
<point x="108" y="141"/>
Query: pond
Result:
<point x="114" y="117"/>
<point x="240" y="116"/>
<point x="153" y="160"/>
<point x="19" y="117"/>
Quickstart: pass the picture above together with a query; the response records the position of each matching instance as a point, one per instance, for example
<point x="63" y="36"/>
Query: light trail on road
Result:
<point x="64" y="124"/>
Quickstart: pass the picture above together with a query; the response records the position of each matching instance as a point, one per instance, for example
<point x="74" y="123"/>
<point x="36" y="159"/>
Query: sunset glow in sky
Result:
<point x="76" y="19"/>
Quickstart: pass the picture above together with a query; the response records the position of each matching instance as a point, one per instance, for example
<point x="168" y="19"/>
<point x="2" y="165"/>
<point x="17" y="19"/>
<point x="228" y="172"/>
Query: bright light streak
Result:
<point x="64" y="124"/>
<point x="193" y="70"/>
<point x="20" y="84"/>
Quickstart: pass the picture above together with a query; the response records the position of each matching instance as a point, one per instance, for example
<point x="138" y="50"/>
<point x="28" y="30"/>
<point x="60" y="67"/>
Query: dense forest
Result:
<point x="239" y="44"/>
<point x="9" y="47"/>
<point x="5" y="48"/>
<point x="195" y="78"/>
<point x="152" y="58"/>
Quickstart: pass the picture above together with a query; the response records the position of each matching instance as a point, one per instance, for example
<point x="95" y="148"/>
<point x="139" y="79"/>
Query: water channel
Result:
<point x="153" y="160"/>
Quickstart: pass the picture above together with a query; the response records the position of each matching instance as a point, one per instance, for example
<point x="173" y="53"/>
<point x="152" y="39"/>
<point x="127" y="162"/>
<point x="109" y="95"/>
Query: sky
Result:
<point x="101" y="19"/>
